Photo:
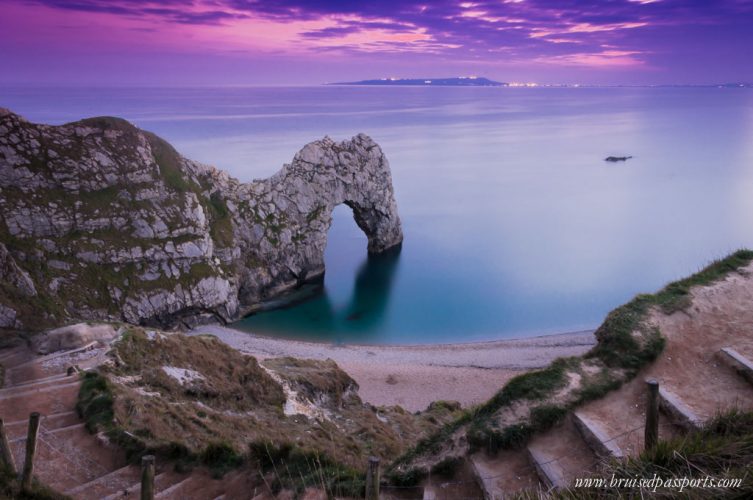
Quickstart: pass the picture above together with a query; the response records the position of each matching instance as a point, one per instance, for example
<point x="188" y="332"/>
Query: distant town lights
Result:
<point x="522" y="84"/>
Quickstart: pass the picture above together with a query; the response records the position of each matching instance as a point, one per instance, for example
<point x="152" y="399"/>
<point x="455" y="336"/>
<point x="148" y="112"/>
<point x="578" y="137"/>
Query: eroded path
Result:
<point x="697" y="381"/>
<point x="79" y="464"/>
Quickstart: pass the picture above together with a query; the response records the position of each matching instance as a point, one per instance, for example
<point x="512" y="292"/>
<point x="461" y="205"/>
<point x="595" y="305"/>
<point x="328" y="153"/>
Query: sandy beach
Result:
<point x="414" y="376"/>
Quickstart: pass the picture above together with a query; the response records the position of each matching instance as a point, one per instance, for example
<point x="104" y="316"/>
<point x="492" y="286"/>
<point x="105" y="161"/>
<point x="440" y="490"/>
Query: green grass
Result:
<point x="101" y="198"/>
<point x="220" y="458"/>
<point x="95" y="400"/>
<point x="168" y="161"/>
<point x="547" y="416"/>
<point x="314" y="214"/>
<point x="95" y="406"/>
<point x="447" y="467"/>
<point x="221" y="228"/>
<point x="297" y="469"/>
<point x="619" y="349"/>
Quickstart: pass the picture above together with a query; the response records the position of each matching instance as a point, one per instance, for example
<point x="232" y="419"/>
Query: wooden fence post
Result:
<point x="147" y="477"/>
<point x="651" y="436"/>
<point x="6" y="454"/>
<point x="372" y="479"/>
<point x="31" y="449"/>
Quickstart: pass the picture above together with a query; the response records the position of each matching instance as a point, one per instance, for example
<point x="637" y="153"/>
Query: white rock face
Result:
<point x="137" y="232"/>
<point x="183" y="376"/>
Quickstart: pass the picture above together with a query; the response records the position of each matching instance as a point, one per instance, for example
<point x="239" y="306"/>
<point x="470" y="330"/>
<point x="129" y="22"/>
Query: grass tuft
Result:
<point x="95" y="400"/>
<point x="10" y="487"/>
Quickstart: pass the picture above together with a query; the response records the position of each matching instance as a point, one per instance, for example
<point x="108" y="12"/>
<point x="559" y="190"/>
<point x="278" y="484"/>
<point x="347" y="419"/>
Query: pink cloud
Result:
<point x="603" y="59"/>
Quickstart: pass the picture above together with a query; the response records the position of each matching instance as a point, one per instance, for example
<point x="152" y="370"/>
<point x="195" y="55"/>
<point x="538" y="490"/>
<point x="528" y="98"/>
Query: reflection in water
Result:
<point x="372" y="290"/>
<point x="319" y="317"/>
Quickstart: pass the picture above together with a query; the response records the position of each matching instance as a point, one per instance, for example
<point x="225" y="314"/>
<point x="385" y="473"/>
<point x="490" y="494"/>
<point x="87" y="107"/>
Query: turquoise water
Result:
<point x="514" y="225"/>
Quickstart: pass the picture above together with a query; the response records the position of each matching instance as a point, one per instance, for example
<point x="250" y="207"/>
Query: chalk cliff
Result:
<point x="99" y="219"/>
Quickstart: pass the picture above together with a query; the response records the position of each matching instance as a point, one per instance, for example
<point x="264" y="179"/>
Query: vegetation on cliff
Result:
<point x="198" y="401"/>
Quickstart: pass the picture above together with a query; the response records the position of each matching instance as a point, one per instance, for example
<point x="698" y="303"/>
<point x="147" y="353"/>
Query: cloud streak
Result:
<point x="581" y="34"/>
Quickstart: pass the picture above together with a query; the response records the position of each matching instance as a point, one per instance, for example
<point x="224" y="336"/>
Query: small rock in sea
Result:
<point x="617" y="158"/>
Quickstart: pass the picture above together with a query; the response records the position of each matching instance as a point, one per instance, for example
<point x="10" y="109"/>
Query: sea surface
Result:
<point x="514" y="223"/>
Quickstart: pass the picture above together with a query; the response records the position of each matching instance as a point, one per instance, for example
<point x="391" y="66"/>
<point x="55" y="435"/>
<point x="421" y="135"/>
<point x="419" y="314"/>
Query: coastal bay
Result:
<point x="413" y="376"/>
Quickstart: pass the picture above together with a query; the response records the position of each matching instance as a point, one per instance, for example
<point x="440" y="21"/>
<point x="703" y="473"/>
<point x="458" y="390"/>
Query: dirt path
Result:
<point x="690" y="368"/>
<point x="71" y="460"/>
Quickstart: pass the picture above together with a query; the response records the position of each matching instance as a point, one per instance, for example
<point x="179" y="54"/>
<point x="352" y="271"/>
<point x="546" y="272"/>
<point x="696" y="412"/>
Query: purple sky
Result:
<point x="207" y="42"/>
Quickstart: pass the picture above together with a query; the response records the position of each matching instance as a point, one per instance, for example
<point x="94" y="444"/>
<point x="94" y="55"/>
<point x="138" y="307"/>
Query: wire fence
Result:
<point x="69" y="461"/>
<point x="564" y="466"/>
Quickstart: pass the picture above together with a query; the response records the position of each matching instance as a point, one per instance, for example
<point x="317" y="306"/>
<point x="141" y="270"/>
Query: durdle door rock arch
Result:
<point x="106" y="221"/>
<point x="303" y="195"/>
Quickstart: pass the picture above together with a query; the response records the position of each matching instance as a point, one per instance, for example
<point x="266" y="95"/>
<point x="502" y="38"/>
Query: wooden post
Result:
<point x="372" y="479"/>
<point x="147" y="477"/>
<point x="31" y="449"/>
<point x="6" y="454"/>
<point x="651" y="435"/>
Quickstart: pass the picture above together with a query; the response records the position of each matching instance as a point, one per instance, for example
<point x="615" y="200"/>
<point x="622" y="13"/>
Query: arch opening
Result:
<point x="351" y="300"/>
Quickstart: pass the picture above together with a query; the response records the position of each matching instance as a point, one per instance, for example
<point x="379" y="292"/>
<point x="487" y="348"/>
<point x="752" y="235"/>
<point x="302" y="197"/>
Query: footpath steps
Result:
<point x="678" y="411"/>
<point x="17" y="429"/>
<point x="550" y="471"/>
<point x="71" y="460"/>
<point x="596" y="437"/>
<point x="20" y="402"/>
<point x="560" y="455"/>
<point x="163" y="482"/>
<point x="115" y="481"/>
<point x="508" y="471"/>
<point x="200" y="485"/>
<point x="738" y="362"/>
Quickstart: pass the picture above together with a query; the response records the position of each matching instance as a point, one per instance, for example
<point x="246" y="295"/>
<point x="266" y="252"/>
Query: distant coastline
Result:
<point x="461" y="81"/>
<point x="478" y="81"/>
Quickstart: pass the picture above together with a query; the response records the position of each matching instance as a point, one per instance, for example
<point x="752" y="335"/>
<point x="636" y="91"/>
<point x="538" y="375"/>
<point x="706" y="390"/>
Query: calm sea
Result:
<point x="514" y="224"/>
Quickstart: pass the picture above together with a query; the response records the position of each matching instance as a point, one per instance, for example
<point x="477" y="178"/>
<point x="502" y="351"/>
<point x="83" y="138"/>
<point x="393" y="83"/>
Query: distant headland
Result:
<point x="459" y="81"/>
<point x="480" y="81"/>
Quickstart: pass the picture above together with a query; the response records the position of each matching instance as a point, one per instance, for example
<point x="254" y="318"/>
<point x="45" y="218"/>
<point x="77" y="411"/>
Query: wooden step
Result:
<point x="506" y="472"/>
<point x="38" y="381"/>
<point x="172" y="491"/>
<point x="166" y="481"/>
<point x="16" y="357"/>
<point x="742" y="365"/>
<point x="35" y="385"/>
<point x="51" y="467"/>
<point x="54" y="432"/>
<point x="70" y="456"/>
<point x="548" y="468"/>
<point x="596" y="438"/>
<point x="115" y="482"/>
<point x="18" y="428"/>
<point x="46" y="400"/>
<point x="197" y="486"/>
<point x="27" y="392"/>
<point x="678" y="412"/>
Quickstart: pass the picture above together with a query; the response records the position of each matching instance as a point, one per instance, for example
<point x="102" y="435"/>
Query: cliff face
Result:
<point x="99" y="219"/>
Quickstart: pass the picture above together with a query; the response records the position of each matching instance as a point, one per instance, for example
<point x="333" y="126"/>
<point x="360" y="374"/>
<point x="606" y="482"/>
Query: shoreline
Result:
<point x="413" y="376"/>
